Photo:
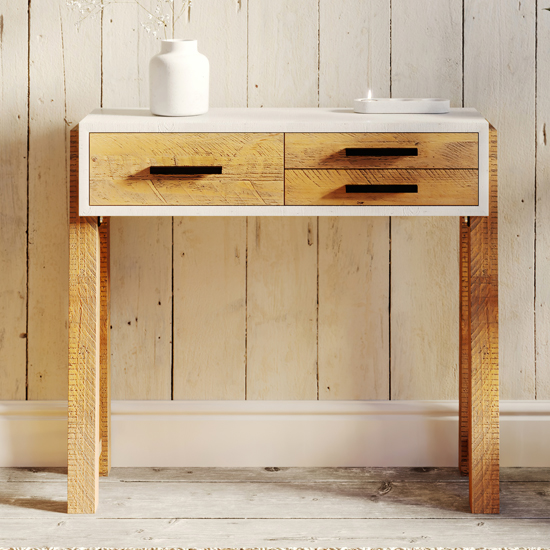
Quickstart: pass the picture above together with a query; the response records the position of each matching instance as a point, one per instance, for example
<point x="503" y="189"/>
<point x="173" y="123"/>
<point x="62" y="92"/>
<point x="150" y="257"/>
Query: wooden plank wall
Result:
<point x="236" y="308"/>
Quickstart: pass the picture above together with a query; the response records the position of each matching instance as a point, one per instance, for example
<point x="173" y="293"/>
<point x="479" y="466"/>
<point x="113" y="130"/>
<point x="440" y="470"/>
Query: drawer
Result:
<point x="186" y="169"/>
<point x="381" y="150"/>
<point x="381" y="187"/>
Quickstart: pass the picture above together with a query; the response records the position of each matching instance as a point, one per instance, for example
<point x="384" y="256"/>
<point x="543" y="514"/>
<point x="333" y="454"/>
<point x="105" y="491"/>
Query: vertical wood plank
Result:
<point x="13" y="199"/>
<point x="484" y="385"/>
<point x="354" y="51"/>
<point x="282" y="308"/>
<point x="426" y="62"/>
<point x="353" y="308"/>
<point x="283" y="53"/>
<point x="542" y="275"/>
<point x="141" y="316"/>
<point x="353" y="252"/>
<point x="221" y="31"/>
<point x="210" y="311"/>
<point x="84" y="350"/>
<point x="141" y="248"/>
<point x="282" y="253"/>
<point x="499" y="80"/>
<point x="105" y="346"/>
<point x="65" y="76"/>
<point x="210" y="253"/>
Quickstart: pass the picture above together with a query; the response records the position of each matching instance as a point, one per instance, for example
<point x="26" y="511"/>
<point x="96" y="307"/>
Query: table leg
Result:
<point x="84" y="352"/>
<point x="479" y="350"/>
<point x="105" y="347"/>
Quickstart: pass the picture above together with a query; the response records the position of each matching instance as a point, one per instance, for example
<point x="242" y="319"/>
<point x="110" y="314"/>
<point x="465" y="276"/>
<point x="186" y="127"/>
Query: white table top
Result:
<point x="283" y="120"/>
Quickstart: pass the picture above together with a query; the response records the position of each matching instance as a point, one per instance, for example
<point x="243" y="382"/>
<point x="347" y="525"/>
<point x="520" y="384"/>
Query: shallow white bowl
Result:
<point x="401" y="105"/>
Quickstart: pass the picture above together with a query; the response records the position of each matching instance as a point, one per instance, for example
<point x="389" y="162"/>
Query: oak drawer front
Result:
<point x="186" y="169"/>
<point x="381" y="187"/>
<point x="381" y="150"/>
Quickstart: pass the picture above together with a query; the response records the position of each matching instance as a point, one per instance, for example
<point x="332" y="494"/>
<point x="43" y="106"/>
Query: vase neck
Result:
<point x="177" y="45"/>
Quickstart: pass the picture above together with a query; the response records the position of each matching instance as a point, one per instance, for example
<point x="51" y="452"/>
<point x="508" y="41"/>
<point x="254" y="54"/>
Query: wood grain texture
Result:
<point x="282" y="308"/>
<point x="353" y="34"/>
<point x="542" y="228"/>
<point x="283" y="54"/>
<point x="84" y="353"/>
<point x="141" y="314"/>
<point x="328" y="187"/>
<point x="424" y="251"/>
<point x="13" y="199"/>
<point x="65" y="76"/>
<point x="434" y="150"/>
<point x="353" y="341"/>
<point x="141" y="249"/>
<point x="210" y="311"/>
<point x="499" y="72"/>
<point x="221" y="31"/>
<point x="105" y="345"/>
<point x="251" y="164"/>
<point x="484" y="366"/>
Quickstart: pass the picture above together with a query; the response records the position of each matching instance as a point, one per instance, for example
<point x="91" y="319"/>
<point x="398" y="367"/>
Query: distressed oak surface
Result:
<point x="324" y="507"/>
<point x="84" y="353"/>
<point x="252" y="168"/>
<point x="328" y="187"/>
<point x="434" y="150"/>
<point x="105" y="345"/>
<point x="484" y="357"/>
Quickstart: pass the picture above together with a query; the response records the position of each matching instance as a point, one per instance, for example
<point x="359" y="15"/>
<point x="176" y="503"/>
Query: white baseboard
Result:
<point x="274" y="433"/>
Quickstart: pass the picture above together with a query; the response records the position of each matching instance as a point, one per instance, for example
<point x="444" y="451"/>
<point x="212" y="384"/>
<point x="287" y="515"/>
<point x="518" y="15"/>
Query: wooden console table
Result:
<point x="282" y="162"/>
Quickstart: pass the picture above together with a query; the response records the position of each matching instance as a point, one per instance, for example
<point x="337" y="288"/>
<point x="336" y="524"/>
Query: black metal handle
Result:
<point x="391" y="188"/>
<point x="382" y="152"/>
<point x="185" y="170"/>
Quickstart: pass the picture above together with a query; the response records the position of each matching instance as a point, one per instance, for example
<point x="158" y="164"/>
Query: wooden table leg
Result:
<point x="84" y="351"/>
<point x="479" y="397"/>
<point x="105" y="347"/>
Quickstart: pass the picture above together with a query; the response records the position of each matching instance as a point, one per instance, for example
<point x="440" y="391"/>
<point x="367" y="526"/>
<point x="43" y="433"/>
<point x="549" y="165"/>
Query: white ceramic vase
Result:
<point x="179" y="79"/>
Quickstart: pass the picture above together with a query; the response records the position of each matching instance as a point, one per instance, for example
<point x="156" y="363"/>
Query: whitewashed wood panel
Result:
<point x="209" y="308"/>
<point x="426" y="62"/>
<point x="283" y="53"/>
<point x="141" y="313"/>
<point x="282" y="308"/>
<point x="354" y="57"/>
<point x="282" y="253"/>
<point x="499" y="79"/>
<point x="542" y="288"/>
<point x="141" y="256"/>
<point x="65" y="85"/>
<point x="353" y="308"/>
<point x="354" y="51"/>
<point x="13" y="199"/>
<point x="221" y="31"/>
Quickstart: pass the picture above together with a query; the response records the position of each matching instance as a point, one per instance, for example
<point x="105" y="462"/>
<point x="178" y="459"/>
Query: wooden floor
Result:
<point x="272" y="507"/>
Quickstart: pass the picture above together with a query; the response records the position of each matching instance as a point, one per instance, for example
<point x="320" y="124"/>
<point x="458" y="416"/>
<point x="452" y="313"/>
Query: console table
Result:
<point x="282" y="162"/>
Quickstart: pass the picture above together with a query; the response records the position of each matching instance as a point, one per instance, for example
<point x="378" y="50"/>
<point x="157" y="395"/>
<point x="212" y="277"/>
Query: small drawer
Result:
<point x="382" y="150"/>
<point x="186" y="169"/>
<point x="381" y="187"/>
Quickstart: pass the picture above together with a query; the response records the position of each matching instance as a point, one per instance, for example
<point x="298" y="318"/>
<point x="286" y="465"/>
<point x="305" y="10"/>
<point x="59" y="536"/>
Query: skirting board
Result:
<point x="274" y="433"/>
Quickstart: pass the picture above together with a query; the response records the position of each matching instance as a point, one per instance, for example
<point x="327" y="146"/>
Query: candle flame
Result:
<point x="369" y="95"/>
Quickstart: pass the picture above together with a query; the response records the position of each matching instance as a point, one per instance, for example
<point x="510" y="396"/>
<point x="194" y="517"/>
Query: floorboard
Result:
<point x="255" y="507"/>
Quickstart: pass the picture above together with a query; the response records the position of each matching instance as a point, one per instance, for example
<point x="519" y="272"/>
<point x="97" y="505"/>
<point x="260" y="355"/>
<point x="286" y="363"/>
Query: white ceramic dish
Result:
<point x="401" y="105"/>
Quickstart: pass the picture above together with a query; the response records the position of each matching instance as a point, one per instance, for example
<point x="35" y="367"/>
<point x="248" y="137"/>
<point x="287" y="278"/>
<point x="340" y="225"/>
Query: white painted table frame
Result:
<point x="89" y="393"/>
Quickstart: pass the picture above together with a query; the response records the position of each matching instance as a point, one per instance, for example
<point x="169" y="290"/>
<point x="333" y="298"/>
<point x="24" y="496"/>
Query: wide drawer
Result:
<point x="381" y="150"/>
<point x="381" y="187"/>
<point x="186" y="169"/>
